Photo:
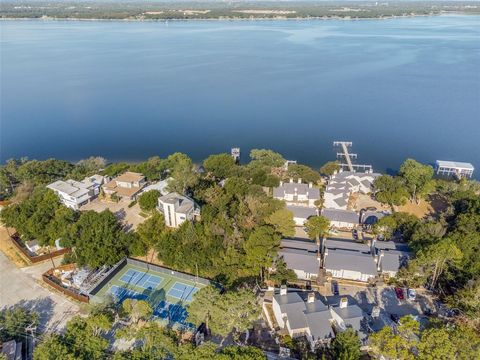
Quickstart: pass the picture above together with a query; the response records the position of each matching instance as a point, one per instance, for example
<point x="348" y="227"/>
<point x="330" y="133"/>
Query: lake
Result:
<point x="407" y="87"/>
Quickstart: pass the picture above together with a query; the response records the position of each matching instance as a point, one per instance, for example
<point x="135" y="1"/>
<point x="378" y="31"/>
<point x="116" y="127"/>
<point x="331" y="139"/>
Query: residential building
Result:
<point x="177" y="209"/>
<point x="349" y="265"/>
<point x="390" y="256"/>
<point x="341" y="219"/>
<point x="454" y="168"/>
<point x="302" y="213"/>
<point x="303" y="257"/>
<point x="126" y="186"/>
<point x="297" y="193"/>
<point x="345" y="183"/>
<point x="305" y="314"/>
<point x="74" y="194"/>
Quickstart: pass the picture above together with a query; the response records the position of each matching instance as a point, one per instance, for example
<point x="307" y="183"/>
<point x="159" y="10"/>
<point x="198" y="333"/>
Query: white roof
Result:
<point x="455" y="164"/>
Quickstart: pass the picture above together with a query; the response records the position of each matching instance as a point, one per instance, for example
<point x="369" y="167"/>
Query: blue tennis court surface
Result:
<point x="141" y="279"/>
<point x="172" y="312"/>
<point x="182" y="291"/>
<point x="122" y="293"/>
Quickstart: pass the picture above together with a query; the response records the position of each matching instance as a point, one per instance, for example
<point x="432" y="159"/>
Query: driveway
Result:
<point x="21" y="287"/>
<point x="129" y="216"/>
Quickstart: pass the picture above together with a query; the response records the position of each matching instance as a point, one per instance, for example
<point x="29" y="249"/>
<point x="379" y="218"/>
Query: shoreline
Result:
<point x="232" y="19"/>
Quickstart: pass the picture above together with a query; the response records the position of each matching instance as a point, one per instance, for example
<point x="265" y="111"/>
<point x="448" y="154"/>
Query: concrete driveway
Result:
<point x="21" y="287"/>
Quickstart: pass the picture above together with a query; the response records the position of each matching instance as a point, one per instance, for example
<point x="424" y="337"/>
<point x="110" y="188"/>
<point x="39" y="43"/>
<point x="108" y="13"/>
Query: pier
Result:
<point x="348" y="157"/>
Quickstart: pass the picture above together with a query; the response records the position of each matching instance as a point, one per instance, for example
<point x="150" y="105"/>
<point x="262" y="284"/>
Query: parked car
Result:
<point x="355" y="234"/>
<point x="395" y="318"/>
<point x="335" y="290"/>
<point x="411" y="294"/>
<point x="399" y="293"/>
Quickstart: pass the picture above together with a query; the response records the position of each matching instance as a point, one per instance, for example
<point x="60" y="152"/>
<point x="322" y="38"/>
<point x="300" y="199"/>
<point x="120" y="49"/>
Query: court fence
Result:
<point x="107" y="277"/>
<point x="159" y="269"/>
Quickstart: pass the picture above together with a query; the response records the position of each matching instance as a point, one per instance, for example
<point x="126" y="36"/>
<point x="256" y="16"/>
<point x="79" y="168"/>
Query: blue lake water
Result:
<point x="399" y="88"/>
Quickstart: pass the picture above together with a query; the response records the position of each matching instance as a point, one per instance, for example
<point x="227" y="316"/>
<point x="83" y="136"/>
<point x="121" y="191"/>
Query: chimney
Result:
<point x="291" y="180"/>
<point x="296" y="191"/>
<point x="283" y="290"/>
<point x="310" y="184"/>
<point x="343" y="303"/>
<point x="311" y="297"/>
<point x="299" y="180"/>
<point x="281" y="183"/>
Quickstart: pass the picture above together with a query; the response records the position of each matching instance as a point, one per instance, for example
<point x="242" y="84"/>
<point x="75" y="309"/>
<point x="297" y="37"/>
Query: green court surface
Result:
<point x="168" y="292"/>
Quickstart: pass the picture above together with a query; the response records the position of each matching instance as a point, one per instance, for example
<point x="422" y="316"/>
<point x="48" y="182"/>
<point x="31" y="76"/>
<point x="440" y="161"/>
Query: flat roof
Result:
<point x="455" y="164"/>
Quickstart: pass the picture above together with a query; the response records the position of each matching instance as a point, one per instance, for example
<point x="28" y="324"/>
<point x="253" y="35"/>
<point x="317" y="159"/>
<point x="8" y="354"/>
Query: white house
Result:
<point x="303" y="257"/>
<point x="177" y="209"/>
<point x="345" y="183"/>
<point x="341" y="219"/>
<point x="305" y="314"/>
<point x="297" y="193"/>
<point x="454" y="168"/>
<point x="74" y="194"/>
<point x="349" y="265"/>
<point x="126" y="186"/>
<point x="302" y="213"/>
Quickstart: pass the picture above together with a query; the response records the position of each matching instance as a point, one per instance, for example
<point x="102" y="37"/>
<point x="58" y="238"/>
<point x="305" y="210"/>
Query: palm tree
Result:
<point x="317" y="227"/>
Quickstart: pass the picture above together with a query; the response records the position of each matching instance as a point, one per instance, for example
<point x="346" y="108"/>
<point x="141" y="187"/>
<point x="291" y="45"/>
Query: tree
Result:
<point x="222" y="313"/>
<point x="307" y="174"/>
<point x="435" y="344"/>
<point x="417" y="178"/>
<point x="436" y="259"/>
<point x="398" y="344"/>
<point x="390" y="190"/>
<point x="282" y="273"/>
<point x="317" y="227"/>
<point x="14" y="321"/>
<point x="242" y="353"/>
<point x="182" y="173"/>
<point x="385" y="226"/>
<point x="221" y="166"/>
<point x="260" y="248"/>
<point x="267" y="158"/>
<point x="330" y="168"/>
<point x="98" y="239"/>
<point x="137" y="309"/>
<point x="467" y="299"/>
<point x="346" y="345"/>
<point x="150" y="232"/>
<point x="282" y="221"/>
<point x="148" y="200"/>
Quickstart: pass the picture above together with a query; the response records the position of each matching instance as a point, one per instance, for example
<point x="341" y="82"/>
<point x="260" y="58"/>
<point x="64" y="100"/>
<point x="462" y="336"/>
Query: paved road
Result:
<point x="21" y="287"/>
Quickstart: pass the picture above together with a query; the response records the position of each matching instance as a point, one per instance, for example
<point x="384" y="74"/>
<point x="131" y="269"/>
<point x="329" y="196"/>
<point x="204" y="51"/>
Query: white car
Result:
<point x="411" y="294"/>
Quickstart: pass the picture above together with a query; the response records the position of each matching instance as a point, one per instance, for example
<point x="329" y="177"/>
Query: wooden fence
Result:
<point x="54" y="282"/>
<point x="39" y="258"/>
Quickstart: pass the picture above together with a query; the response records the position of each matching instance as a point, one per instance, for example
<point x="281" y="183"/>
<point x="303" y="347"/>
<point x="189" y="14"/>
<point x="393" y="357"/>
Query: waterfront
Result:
<point x="398" y="88"/>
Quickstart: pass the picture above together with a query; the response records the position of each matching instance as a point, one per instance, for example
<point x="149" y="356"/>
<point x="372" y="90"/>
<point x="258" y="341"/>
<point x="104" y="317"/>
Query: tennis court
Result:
<point x="168" y="292"/>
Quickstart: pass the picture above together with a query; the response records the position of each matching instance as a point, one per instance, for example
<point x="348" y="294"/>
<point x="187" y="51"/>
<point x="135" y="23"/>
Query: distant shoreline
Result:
<point x="233" y="19"/>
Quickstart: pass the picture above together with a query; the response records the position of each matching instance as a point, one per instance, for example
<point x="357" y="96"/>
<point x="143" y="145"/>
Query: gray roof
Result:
<point x="301" y="189"/>
<point x="347" y="216"/>
<point x="345" y="245"/>
<point x="69" y="187"/>
<point x="302" y="212"/>
<point x="352" y="316"/>
<point x="293" y="306"/>
<point x="391" y="261"/>
<point x="299" y="245"/>
<point x="300" y="260"/>
<point x="183" y="204"/>
<point x="350" y="260"/>
<point x="320" y="324"/>
<point x="343" y="201"/>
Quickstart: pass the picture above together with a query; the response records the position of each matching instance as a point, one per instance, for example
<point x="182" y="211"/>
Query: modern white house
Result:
<point x="74" y="194"/>
<point x="342" y="185"/>
<point x="341" y="219"/>
<point x="454" y="168"/>
<point x="161" y="186"/>
<point x="297" y="193"/>
<point x="126" y="186"/>
<point x="305" y="314"/>
<point x="177" y="209"/>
